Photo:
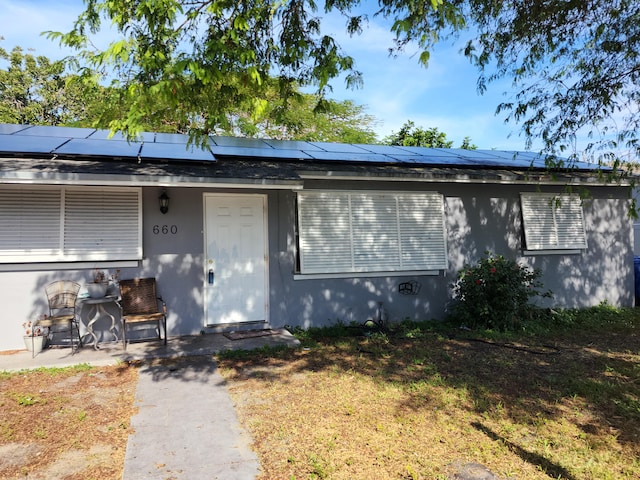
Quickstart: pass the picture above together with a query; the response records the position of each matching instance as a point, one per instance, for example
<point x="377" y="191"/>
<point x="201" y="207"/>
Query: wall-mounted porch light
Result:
<point x="164" y="202"/>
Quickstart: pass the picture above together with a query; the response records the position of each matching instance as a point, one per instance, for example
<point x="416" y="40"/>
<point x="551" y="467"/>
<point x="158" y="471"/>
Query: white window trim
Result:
<point x="396" y="253"/>
<point x="545" y="231"/>
<point x="407" y="273"/>
<point x="35" y="267"/>
<point x="70" y="224"/>
<point x="533" y="253"/>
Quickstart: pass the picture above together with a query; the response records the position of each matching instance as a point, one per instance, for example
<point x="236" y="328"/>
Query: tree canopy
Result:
<point x="575" y="67"/>
<point x="411" y="136"/>
<point x="36" y="90"/>
<point x="574" y="64"/>
<point x="301" y="116"/>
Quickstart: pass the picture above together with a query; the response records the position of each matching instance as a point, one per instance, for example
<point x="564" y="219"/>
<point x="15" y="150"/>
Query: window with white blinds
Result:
<point x="54" y="224"/>
<point x="553" y="222"/>
<point x="341" y="232"/>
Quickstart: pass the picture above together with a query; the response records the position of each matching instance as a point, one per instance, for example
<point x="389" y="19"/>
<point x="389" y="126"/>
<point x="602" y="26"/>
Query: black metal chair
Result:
<point x="62" y="296"/>
<point x="141" y="304"/>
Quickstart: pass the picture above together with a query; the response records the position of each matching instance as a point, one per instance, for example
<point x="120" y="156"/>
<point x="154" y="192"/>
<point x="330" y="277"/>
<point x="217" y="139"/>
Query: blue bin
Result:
<point x="636" y="271"/>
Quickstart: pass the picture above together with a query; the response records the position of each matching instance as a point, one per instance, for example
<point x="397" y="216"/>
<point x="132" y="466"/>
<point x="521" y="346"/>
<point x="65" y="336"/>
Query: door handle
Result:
<point x="211" y="276"/>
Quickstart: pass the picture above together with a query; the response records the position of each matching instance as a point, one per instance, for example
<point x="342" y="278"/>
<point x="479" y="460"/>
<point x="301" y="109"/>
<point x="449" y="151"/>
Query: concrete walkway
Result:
<point x="186" y="427"/>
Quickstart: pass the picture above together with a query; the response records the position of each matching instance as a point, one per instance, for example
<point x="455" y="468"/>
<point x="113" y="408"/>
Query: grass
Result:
<point x="69" y="423"/>
<point x="558" y="399"/>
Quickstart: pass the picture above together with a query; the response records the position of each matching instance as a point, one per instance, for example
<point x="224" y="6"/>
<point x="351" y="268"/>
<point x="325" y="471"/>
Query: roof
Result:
<point x="49" y="152"/>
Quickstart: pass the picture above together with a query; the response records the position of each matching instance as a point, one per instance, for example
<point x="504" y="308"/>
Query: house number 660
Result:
<point x="165" y="229"/>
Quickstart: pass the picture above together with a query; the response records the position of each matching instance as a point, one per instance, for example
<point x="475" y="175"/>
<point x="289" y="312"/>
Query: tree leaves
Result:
<point x="220" y="50"/>
<point x="575" y="64"/>
<point x="38" y="91"/>
<point x="411" y="136"/>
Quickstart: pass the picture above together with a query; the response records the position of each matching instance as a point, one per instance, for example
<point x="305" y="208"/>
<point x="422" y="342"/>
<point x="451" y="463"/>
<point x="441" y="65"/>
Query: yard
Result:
<point x="414" y="403"/>
<point x="421" y="402"/>
<point x="69" y="423"/>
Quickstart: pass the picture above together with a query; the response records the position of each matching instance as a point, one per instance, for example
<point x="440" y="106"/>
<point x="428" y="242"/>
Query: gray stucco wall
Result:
<point x="478" y="218"/>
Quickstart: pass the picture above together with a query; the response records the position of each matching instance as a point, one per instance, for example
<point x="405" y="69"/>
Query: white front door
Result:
<point x="235" y="258"/>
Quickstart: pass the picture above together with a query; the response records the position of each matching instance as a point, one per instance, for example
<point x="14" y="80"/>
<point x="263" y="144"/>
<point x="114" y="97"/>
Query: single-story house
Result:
<point x="268" y="233"/>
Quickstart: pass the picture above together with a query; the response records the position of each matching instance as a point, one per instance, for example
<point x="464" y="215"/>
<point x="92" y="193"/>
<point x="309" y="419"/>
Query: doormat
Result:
<point x="249" y="334"/>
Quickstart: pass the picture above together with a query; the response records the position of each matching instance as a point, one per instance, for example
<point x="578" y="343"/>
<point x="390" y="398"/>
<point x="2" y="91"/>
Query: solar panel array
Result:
<point x="88" y="142"/>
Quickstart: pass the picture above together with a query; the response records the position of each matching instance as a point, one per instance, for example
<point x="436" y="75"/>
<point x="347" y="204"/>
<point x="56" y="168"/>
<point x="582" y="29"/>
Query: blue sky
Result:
<point x="395" y="89"/>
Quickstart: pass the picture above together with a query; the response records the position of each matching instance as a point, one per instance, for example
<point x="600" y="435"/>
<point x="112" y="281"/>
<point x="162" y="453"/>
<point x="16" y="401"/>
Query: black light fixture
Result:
<point x="164" y="202"/>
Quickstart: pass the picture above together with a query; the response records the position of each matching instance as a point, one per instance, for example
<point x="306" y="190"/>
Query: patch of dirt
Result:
<point x="69" y="424"/>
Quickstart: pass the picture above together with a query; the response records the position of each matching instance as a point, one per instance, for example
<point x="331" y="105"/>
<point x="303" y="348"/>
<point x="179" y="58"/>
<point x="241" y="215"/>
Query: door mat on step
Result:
<point x="249" y="334"/>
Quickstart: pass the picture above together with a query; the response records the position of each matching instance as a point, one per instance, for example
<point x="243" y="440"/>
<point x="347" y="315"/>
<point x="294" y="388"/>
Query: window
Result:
<point x="65" y="224"/>
<point x="553" y="222"/>
<point x="342" y="232"/>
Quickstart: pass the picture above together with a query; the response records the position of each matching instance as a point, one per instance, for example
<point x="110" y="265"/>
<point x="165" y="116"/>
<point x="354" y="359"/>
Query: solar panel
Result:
<point x="35" y="139"/>
<point x="102" y="148"/>
<point x="26" y="144"/>
<point x="382" y="149"/>
<point x="104" y="135"/>
<point x="480" y="155"/>
<point x="239" y="142"/>
<point x="592" y="166"/>
<point x="259" y="152"/>
<point x="8" y="128"/>
<point x="338" y="147"/>
<point x="171" y="138"/>
<point x="428" y="151"/>
<point x="366" y="157"/>
<point x="175" y="151"/>
<point x="538" y="160"/>
<point x="434" y="159"/>
<point x="417" y="155"/>
<point x="483" y="158"/>
<point x="65" y="132"/>
<point x="291" y="145"/>
<point x="507" y="155"/>
<point x="513" y="159"/>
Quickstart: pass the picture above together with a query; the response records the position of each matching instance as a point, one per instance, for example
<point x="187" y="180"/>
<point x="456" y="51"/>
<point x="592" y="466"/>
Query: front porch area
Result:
<point x="111" y="353"/>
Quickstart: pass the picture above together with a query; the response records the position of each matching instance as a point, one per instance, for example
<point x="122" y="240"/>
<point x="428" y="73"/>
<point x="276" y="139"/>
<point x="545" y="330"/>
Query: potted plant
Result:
<point x="113" y="287"/>
<point x="35" y="336"/>
<point x="98" y="288"/>
<point x="102" y="282"/>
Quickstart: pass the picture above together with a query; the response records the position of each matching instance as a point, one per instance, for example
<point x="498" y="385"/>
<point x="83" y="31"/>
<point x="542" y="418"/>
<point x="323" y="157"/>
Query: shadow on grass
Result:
<point x="545" y="465"/>
<point x="530" y="381"/>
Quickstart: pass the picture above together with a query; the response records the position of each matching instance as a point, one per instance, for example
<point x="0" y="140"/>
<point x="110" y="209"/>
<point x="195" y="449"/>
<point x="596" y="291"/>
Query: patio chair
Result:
<point x="62" y="296"/>
<point x="141" y="304"/>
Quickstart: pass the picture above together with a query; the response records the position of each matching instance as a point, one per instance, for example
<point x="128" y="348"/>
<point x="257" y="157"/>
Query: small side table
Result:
<point x="100" y="308"/>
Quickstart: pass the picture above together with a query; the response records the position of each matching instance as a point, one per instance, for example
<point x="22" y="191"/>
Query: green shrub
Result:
<point x="495" y="294"/>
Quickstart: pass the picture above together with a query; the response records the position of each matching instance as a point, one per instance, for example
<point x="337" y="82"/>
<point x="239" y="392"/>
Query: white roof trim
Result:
<point x="145" y="180"/>
<point x="504" y="179"/>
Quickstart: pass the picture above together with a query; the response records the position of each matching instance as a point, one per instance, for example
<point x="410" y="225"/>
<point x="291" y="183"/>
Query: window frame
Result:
<point x="398" y="234"/>
<point x="59" y="224"/>
<point x="557" y="216"/>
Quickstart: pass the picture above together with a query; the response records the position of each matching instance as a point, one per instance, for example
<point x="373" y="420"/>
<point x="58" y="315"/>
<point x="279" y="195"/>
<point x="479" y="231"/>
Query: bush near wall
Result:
<point x="496" y="293"/>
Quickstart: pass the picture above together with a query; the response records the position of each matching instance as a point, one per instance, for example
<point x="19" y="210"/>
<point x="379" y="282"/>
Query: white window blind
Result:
<point x="29" y="222"/>
<point x="343" y="232"/>
<point x="553" y="222"/>
<point x="52" y="224"/>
